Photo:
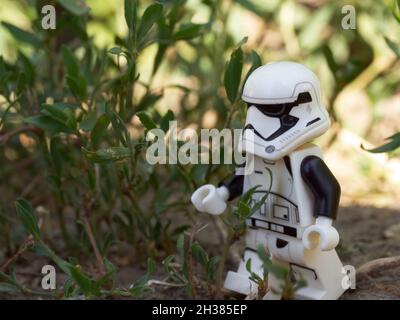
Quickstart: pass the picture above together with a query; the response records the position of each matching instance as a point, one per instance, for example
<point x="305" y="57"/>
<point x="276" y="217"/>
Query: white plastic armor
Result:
<point x="284" y="114"/>
<point x="279" y="83"/>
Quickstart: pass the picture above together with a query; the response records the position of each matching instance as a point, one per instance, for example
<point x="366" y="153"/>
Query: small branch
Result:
<point x="190" y="264"/>
<point x="25" y="246"/>
<point x="164" y="283"/>
<point x="225" y="252"/>
<point x="31" y="186"/>
<point x="89" y="231"/>
<point x="231" y="113"/>
<point x="10" y="105"/>
<point x="5" y="138"/>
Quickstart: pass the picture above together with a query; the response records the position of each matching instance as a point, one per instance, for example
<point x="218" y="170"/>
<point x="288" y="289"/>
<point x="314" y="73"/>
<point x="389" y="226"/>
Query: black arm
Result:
<point x="323" y="184"/>
<point x="235" y="186"/>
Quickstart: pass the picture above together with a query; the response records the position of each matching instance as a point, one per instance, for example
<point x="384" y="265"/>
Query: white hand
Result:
<point x="321" y="233"/>
<point x="210" y="199"/>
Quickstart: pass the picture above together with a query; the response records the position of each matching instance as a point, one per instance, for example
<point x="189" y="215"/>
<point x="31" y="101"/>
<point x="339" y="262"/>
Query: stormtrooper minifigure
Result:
<point x="294" y="224"/>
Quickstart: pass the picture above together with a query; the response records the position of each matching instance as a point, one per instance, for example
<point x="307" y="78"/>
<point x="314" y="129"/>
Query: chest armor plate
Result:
<point x="279" y="212"/>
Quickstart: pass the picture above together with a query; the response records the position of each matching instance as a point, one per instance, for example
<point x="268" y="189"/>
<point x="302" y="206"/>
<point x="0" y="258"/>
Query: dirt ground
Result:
<point x="367" y="233"/>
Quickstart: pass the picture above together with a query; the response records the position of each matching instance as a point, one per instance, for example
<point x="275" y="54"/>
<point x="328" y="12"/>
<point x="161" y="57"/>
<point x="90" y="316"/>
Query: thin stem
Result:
<point x="89" y="232"/>
<point x="225" y="252"/>
<point x="5" y="138"/>
<point x="25" y="246"/>
<point x="10" y="105"/>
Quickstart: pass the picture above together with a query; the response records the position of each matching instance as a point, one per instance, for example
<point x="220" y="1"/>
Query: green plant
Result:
<point x="185" y="272"/>
<point x="78" y="282"/>
<point x="77" y="102"/>
<point x="288" y="286"/>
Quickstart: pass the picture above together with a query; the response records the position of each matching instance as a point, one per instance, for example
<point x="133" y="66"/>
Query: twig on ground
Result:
<point x="164" y="283"/>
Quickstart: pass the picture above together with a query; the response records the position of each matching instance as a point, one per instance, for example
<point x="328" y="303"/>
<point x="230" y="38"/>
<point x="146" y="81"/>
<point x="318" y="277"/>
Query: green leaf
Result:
<point x="68" y="288"/>
<point x="188" y="31"/>
<point x="48" y="124"/>
<point x="244" y="210"/>
<point x="251" y="6"/>
<point x="146" y="120"/>
<point x="43" y="250"/>
<point x="149" y="99"/>
<point x="312" y="34"/>
<point x="97" y="284"/>
<point x="394" y="46"/>
<point x="164" y="124"/>
<point x="248" y="265"/>
<point x="279" y="271"/>
<point x="107" y="155"/>
<point x="100" y="129"/>
<point x="167" y="262"/>
<point x="140" y="287"/>
<point x="9" y="280"/>
<point x="119" y="126"/>
<point x="393" y="144"/>
<point x="164" y="39"/>
<point x="76" y="7"/>
<point x="247" y="206"/>
<point x="151" y="266"/>
<point x="22" y="35"/>
<point x="88" y="122"/>
<point x="199" y="172"/>
<point x="199" y="254"/>
<point x="70" y="62"/>
<point x="212" y="267"/>
<point x="255" y="63"/>
<point x="28" y="218"/>
<point x="150" y="16"/>
<point x="262" y="253"/>
<point x="57" y="157"/>
<point x="130" y="14"/>
<point x="330" y="59"/>
<point x="118" y="51"/>
<point x="77" y="85"/>
<point x="81" y="279"/>
<point x="55" y="113"/>
<point x="396" y="10"/>
<point x="233" y="74"/>
<point x="260" y="202"/>
<point x="9" y="288"/>
<point x="180" y="245"/>
<point x="28" y="68"/>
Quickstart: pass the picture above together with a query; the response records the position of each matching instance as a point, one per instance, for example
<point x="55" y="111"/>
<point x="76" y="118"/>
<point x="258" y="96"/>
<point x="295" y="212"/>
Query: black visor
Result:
<point x="279" y="109"/>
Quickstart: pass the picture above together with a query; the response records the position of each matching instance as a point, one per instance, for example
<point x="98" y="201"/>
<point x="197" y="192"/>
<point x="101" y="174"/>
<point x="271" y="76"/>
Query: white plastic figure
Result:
<point x="294" y="224"/>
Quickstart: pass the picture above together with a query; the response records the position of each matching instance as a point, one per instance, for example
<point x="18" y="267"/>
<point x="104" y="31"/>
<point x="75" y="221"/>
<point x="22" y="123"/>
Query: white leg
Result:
<point x="322" y="272"/>
<point x="239" y="281"/>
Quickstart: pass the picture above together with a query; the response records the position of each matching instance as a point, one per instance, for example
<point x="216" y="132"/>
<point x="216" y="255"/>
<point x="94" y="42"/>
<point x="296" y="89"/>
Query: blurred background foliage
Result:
<point x="75" y="103"/>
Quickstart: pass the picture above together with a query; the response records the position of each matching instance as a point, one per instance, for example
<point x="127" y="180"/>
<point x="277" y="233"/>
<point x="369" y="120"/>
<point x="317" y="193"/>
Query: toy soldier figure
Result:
<point x="285" y="113"/>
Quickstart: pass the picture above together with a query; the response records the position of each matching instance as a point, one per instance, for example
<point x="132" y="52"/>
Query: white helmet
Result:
<point x="284" y="110"/>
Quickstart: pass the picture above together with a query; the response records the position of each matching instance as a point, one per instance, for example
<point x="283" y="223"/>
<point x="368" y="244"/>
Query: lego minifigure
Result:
<point x="284" y="113"/>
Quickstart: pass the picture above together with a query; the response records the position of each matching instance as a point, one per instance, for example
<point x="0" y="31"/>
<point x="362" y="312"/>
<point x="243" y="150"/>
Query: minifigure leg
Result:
<point x="323" y="273"/>
<point x="239" y="281"/>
